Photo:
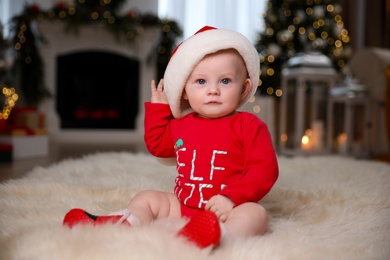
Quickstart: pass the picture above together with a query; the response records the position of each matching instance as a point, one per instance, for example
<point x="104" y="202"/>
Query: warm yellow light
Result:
<point x="107" y="14"/>
<point x="338" y="43"/>
<point x="62" y="14"/>
<point x="271" y="58"/>
<point x="291" y="28"/>
<point x="11" y="102"/>
<point x="305" y="139"/>
<point x="270" y="31"/>
<point x="10" y="99"/>
<point x="337" y="52"/>
<point x="309" y="11"/>
<point x="111" y="20"/>
<point x="283" y="138"/>
<point x="166" y="28"/>
<point x="262" y="58"/>
<point x="270" y="91"/>
<point x="330" y="41"/>
<point x="95" y="15"/>
<point x="330" y="8"/>
<point x="256" y="109"/>
<point x="346" y="39"/>
<point x="344" y="32"/>
<point x="278" y="92"/>
<point x="296" y="20"/>
<point x="270" y="72"/>
<point x="17" y="46"/>
<point x="71" y="10"/>
<point x="302" y="30"/>
<point x="23" y="27"/>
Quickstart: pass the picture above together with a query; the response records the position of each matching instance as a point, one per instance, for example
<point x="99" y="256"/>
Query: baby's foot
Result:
<point x="203" y="229"/>
<point x="81" y="217"/>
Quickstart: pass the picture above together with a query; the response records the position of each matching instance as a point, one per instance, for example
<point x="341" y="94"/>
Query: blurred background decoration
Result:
<point x="296" y="26"/>
<point x="27" y="38"/>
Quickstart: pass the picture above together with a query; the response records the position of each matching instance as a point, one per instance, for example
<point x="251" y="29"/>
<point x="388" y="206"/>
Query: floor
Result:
<point x="57" y="152"/>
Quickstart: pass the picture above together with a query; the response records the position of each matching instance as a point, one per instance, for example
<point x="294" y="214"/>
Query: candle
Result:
<point x="317" y="137"/>
<point x="342" y="143"/>
<point x="306" y="141"/>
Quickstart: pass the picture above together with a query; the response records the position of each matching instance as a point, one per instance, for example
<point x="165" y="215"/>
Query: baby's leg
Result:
<point x="145" y="207"/>
<point x="203" y="229"/>
<point x="245" y="220"/>
<point x="149" y="205"/>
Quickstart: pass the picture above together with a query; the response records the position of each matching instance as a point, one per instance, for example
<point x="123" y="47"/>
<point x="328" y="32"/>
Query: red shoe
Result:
<point x="203" y="229"/>
<point x="81" y="217"/>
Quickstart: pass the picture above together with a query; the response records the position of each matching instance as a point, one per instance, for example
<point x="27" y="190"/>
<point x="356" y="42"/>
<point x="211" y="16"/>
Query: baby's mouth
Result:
<point x="213" y="102"/>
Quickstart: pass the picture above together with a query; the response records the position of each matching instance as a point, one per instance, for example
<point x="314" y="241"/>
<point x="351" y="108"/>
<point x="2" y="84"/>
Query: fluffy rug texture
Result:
<point x="320" y="208"/>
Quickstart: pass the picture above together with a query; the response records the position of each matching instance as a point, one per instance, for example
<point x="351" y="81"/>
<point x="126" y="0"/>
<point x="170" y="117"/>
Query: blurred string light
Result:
<point x="256" y="109"/>
<point x="293" y="26"/>
<point x="10" y="98"/>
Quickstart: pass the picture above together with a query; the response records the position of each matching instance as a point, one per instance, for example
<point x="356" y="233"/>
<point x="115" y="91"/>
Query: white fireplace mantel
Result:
<point x="94" y="38"/>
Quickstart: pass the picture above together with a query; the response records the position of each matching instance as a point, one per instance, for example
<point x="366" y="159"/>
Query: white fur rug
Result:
<point x="320" y="208"/>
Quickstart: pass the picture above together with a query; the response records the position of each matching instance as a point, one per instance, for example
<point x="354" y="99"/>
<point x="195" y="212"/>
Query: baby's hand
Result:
<point x="158" y="94"/>
<point x="221" y="206"/>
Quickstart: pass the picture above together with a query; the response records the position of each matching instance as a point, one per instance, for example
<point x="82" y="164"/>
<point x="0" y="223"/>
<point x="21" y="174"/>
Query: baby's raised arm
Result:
<point x="158" y="95"/>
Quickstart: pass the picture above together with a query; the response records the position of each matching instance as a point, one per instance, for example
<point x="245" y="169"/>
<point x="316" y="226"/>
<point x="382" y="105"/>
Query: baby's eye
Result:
<point x="201" y="81"/>
<point x="225" y="81"/>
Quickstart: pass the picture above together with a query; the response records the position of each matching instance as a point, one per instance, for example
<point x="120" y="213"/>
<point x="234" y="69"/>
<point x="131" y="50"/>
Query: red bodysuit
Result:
<point x="231" y="156"/>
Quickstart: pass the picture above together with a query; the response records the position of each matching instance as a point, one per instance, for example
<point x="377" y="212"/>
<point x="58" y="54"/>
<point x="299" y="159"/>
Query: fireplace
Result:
<point x="117" y="112"/>
<point x="97" y="90"/>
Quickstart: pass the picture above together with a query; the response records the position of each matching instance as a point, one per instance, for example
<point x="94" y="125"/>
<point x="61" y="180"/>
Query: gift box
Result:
<point x="27" y="117"/>
<point x="26" y="146"/>
<point x="24" y="131"/>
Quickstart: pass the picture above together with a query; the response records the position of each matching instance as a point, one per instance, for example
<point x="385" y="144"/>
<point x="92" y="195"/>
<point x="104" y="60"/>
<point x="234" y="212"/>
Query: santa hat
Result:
<point x="190" y="52"/>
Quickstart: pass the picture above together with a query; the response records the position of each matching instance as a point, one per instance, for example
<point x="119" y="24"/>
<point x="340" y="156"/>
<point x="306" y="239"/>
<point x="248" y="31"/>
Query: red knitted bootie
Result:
<point x="81" y="217"/>
<point x="203" y="229"/>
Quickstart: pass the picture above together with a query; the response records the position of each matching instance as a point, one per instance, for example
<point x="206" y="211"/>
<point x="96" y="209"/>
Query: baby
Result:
<point x="224" y="158"/>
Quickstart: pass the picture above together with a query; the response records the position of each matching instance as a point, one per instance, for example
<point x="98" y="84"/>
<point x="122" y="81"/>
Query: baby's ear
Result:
<point x="246" y="88"/>
<point x="185" y="96"/>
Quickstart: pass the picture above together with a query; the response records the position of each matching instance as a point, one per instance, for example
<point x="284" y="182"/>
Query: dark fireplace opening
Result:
<point x="97" y="90"/>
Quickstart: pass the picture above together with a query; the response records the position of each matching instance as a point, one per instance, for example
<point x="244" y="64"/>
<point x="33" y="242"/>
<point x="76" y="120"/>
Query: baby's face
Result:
<point x="217" y="84"/>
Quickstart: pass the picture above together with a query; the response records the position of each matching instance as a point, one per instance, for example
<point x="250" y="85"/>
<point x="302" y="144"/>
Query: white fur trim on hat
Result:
<point x="189" y="53"/>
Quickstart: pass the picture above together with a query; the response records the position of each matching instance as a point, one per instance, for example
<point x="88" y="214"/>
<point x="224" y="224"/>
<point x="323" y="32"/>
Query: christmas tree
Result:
<point x="296" y="26"/>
